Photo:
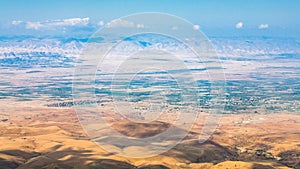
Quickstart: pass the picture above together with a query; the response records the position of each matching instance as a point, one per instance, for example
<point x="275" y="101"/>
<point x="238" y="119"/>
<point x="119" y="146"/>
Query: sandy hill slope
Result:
<point x="39" y="137"/>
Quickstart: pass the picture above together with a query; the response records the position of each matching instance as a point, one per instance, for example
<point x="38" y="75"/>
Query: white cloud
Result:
<point x="120" y="23"/>
<point x="239" y="25"/>
<point x="100" y="23"/>
<point x="15" y="22"/>
<point x="139" y="25"/>
<point x="124" y="24"/>
<point x="174" y="28"/>
<point x="263" y="26"/>
<point x="33" y="25"/>
<point x="71" y="22"/>
<point x="54" y="23"/>
<point x="196" y="27"/>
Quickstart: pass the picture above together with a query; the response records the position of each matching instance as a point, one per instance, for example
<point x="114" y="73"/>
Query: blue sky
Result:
<point x="216" y="17"/>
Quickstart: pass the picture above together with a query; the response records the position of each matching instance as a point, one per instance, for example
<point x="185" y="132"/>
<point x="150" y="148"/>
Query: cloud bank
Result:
<point x="51" y="24"/>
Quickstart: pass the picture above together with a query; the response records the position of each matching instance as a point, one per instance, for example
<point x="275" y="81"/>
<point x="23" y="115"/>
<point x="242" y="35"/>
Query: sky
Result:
<point x="215" y="17"/>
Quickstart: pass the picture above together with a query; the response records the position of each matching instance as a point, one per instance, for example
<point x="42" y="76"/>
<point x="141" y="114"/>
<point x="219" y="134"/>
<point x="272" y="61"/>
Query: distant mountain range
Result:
<point x="23" y="46"/>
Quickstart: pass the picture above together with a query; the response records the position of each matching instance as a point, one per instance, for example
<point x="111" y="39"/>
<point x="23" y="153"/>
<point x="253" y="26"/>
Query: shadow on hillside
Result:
<point x="196" y="152"/>
<point x="64" y="159"/>
<point x="290" y="158"/>
<point x="5" y="164"/>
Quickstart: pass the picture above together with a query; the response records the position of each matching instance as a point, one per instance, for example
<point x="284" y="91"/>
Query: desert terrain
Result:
<point x="33" y="135"/>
